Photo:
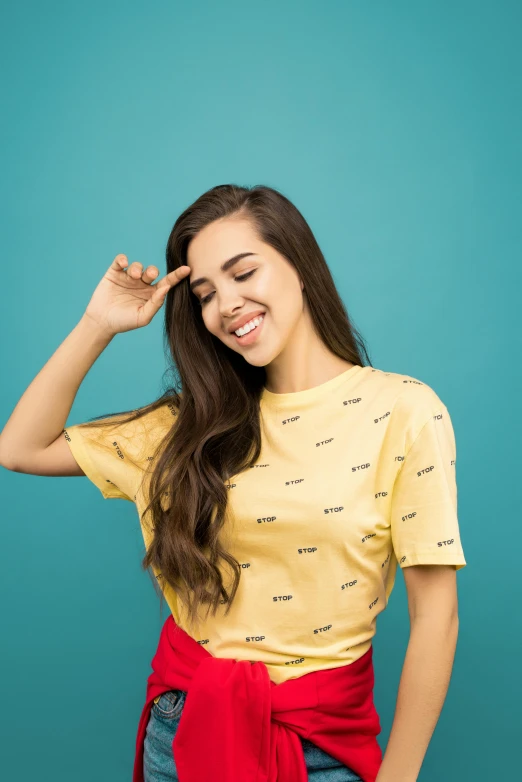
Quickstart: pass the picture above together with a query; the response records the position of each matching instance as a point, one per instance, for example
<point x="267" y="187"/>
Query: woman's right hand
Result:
<point x="125" y="299"/>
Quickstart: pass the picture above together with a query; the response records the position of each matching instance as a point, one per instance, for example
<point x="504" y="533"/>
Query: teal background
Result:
<point x="395" y="127"/>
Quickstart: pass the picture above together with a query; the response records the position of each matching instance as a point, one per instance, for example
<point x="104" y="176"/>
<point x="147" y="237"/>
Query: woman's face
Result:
<point x="261" y="284"/>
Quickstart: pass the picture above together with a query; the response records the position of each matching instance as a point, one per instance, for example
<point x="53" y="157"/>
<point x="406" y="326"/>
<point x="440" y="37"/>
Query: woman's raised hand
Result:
<point x="125" y="298"/>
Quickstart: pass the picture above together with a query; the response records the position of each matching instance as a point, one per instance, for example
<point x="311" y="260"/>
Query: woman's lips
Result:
<point x="252" y="336"/>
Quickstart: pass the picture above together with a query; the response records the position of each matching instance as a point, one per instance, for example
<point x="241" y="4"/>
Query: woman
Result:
<point x="277" y="489"/>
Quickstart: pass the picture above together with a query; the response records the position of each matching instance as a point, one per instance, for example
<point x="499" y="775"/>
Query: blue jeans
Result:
<point x="158" y="760"/>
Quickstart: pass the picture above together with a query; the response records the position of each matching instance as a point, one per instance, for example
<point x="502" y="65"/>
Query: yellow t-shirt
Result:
<point x="355" y="475"/>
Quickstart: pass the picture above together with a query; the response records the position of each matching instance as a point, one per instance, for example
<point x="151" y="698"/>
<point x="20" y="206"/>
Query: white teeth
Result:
<point x="249" y="326"/>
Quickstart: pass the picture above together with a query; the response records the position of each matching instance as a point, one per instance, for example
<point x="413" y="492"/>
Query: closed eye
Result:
<point x="240" y="278"/>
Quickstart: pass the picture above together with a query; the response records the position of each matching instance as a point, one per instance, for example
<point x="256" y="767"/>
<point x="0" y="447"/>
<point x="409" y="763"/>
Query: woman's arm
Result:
<point x="123" y="300"/>
<point x="434" y="624"/>
<point x="41" y="413"/>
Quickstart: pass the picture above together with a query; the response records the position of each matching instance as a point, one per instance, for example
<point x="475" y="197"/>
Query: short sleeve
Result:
<point x="424" y="521"/>
<point x="99" y="454"/>
<point x="115" y="457"/>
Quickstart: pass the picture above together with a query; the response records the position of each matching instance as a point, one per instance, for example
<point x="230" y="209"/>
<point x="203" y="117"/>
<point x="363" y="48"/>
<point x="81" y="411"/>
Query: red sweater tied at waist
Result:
<point x="237" y="725"/>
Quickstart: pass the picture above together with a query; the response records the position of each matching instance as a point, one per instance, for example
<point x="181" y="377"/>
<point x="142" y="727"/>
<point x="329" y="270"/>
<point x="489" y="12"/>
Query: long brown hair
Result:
<point x="216" y="429"/>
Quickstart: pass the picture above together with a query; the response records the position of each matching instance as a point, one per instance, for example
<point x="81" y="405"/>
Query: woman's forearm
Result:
<point x="422" y="690"/>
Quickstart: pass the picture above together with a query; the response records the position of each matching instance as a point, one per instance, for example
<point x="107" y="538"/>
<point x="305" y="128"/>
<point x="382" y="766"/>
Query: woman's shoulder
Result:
<point x="411" y="398"/>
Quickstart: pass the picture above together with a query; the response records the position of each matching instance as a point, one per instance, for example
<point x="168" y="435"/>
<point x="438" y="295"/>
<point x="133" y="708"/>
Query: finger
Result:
<point x="135" y="270"/>
<point x="150" y="273"/>
<point x="151" y="307"/>
<point x="175" y="276"/>
<point x="120" y="263"/>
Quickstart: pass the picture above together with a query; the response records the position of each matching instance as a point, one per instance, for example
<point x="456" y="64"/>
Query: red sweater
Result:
<point x="237" y="725"/>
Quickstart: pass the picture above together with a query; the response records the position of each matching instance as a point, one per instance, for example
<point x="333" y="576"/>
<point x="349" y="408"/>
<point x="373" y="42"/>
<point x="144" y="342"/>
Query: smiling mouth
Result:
<point x="251" y="335"/>
<point x="251" y="324"/>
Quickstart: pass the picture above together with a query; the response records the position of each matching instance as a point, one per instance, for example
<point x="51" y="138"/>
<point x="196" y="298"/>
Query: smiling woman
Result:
<point x="279" y="490"/>
<point x="256" y="281"/>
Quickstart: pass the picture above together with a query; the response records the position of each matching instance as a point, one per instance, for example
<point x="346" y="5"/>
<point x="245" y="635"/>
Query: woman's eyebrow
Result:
<point x="224" y="267"/>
